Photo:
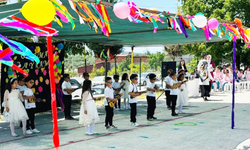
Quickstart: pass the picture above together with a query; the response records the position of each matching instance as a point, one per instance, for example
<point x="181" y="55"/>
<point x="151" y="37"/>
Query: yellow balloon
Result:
<point x="33" y="90"/>
<point x="41" y="79"/>
<point x="40" y="12"/>
<point x="37" y="50"/>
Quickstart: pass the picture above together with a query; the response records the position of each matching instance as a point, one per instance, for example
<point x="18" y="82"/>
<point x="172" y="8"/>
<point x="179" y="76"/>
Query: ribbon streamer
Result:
<point x="182" y="27"/>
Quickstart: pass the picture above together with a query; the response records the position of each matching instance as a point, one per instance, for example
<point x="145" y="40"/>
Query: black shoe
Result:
<point x="206" y="99"/>
<point x="149" y="119"/>
<point x="174" y="114"/>
<point x="69" y="118"/>
<point x="107" y="127"/>
<point x="154" y="118"/>
<point x="169" y="107"/>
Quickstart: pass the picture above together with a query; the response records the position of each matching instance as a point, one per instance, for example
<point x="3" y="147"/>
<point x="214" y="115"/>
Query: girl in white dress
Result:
<point x="88" y="107"/>
<point x="182" y="99"/>
<point x="13" y="105"/>
<point x="125" y="87"/>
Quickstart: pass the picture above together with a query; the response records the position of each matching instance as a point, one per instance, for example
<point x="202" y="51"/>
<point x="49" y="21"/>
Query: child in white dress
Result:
<point x="125" y="87"/>
<point x="182" y="99"/>
<point x="88" y="107"/>
<point x="13" y="105"/>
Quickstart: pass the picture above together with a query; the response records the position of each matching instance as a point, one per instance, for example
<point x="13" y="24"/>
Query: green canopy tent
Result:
<point x="123" y="32"/>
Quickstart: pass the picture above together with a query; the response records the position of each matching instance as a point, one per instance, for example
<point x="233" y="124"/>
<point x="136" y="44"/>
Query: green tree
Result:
<point x="173" y="51"/>
<point x="223" y="10"/>
<point x="155" y="60"/>
<point x="98" y="49"/>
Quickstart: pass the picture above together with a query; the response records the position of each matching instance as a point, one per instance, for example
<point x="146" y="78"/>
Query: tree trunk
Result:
<point x="106" y="68"/>
<point x="238" y="61"/>
<point x="115" y="65"/>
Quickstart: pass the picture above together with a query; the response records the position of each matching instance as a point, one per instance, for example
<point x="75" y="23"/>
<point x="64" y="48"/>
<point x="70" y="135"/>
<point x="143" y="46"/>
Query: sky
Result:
<point x="161" y="5"/>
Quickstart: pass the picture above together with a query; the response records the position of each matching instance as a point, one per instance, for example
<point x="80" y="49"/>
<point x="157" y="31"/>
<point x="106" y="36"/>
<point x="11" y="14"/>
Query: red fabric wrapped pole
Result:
<point x="53" y="91"/>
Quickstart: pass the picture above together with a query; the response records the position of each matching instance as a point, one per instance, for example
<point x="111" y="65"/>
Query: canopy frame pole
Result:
<point x="132" y="60"/>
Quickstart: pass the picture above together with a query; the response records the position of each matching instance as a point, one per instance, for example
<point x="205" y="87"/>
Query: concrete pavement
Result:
<point x="206" y="126"/>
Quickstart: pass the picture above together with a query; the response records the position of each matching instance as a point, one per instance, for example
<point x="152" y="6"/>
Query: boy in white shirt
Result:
<point x="21" y="84"/>
<point x="109" y="97"/>
<point x="167" y="90"/>
<point x="30" y="105"/>
<point x="117" y="89"/>
<point x="67" y="98"/>
<point x="151" y="88"/>
<point x="174" y="85"/>
<point x="133" y="92"/>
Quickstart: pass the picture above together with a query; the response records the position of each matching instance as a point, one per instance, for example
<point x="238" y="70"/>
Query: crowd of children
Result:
<point x="224" y="75"/>
<point x="20" y="102"/>
<point x="20" y="105"/>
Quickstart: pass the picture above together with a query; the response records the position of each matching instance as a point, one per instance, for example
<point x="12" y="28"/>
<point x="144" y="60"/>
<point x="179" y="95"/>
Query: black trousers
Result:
<point x="133" y="112"/>
<point x="67" y="105"/>
<point x="173" y="99"/>
<point x="210" y="86"/>
<point x="31" y="122"/>
<point x="109" y="116"/>
<point x="205" y="90"/>
<point x="168" y="101"/>
<point x="119" y="103"/>
<point x="151" y="106"/>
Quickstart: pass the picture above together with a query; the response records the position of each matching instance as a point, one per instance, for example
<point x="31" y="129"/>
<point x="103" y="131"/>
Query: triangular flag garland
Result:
<point x="105" y="54"/>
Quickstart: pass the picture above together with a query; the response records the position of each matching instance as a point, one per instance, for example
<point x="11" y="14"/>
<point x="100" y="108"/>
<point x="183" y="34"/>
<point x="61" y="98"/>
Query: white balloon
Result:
<point x="200" y="21"/>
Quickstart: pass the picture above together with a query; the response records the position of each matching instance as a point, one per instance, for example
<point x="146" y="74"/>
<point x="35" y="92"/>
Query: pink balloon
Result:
<point x="36" y="71"/>
<point x="40" y="89"/>
<point x="36" y="82"/>
<point x="121" y="10"/>
<point x="47" y="81"/>
<point x="213" y="23"/>
<point x="44" y="72"/>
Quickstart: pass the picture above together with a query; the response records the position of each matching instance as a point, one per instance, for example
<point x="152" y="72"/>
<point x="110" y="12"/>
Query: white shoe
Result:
<point x="117" y="109"/>
<point x="35" y="131"/>
<point x="113" y="127"/>
<point x="29" y="132"/>
<point x="135" y="124"/>
<point x="94" y="132"/>
<point x="89" y="133"/>
<point x="14" y="134"/>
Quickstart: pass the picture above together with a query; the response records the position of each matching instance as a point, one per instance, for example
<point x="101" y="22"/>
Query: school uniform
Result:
<point x="108" y="93"/>
<point x="117" y="85"/>
<point x="133" y="103"/>
<point x="167" y="91"/>
<point x="151" y="100"/>
<point x="67" y="98"/>
<point x="173" y="95"/>
<point x="30" y="107"/>
<point x="21" y="88"/>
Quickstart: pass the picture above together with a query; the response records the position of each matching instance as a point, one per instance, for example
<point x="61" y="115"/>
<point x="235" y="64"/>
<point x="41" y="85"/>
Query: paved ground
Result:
<point x="206" y="126"/>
